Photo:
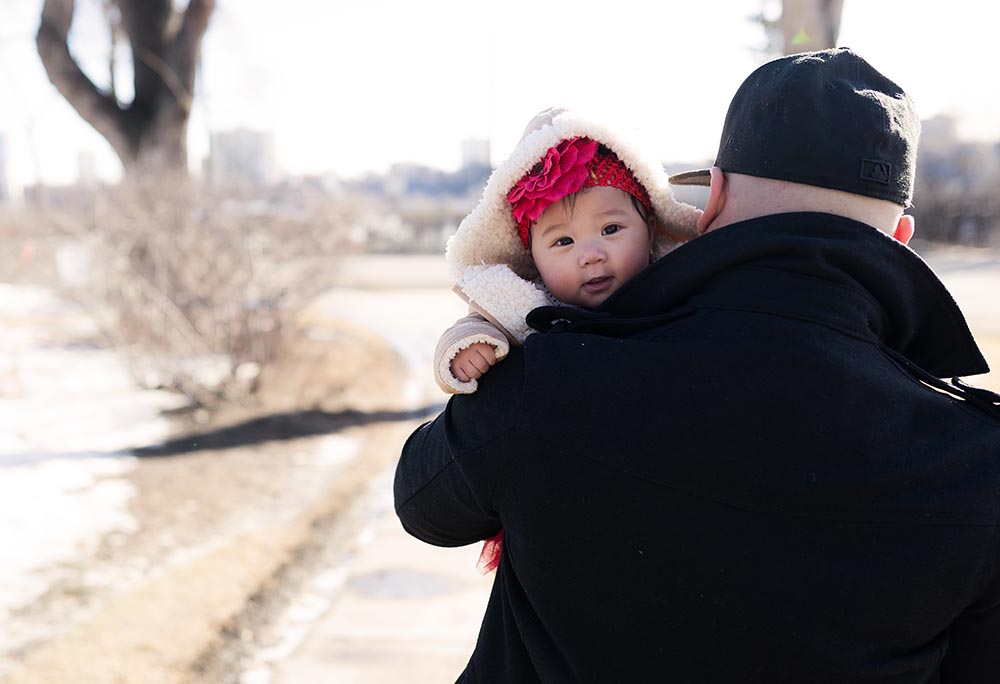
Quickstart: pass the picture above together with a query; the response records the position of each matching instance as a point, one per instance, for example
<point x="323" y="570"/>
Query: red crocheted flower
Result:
<point x="562" y="171"/>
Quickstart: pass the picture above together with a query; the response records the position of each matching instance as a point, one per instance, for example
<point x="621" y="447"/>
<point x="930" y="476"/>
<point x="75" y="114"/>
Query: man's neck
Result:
<point x="749" y="197"/>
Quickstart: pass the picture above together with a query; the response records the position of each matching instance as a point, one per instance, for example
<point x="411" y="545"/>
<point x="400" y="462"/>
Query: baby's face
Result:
<point x="585" y="254"/>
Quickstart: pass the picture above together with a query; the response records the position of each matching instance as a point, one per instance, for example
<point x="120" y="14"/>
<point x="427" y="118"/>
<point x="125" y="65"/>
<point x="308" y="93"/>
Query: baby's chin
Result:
<point x="590" y="302"/>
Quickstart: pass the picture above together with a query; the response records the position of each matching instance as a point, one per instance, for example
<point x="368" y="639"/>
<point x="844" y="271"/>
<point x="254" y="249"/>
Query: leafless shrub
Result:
<point x="200" y="289"/>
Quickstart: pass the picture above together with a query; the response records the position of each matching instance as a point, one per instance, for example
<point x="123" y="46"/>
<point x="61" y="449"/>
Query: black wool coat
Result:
<point x="741" y="468"/>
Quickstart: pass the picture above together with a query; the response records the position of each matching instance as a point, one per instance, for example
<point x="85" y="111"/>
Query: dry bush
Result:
<point x="200" y="290"/>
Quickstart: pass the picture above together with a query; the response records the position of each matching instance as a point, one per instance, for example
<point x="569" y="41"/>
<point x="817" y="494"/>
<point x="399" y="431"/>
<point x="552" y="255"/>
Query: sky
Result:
<point x="351" y="88"/>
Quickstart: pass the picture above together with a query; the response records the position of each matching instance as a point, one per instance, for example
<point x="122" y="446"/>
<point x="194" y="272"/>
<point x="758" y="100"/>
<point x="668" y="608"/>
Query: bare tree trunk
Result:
<point x="808" y="25"/>
<point x="149" y="134"/>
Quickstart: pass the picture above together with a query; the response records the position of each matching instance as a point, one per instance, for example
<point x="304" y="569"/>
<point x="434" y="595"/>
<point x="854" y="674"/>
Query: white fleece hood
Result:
<point x="486" y="244"/>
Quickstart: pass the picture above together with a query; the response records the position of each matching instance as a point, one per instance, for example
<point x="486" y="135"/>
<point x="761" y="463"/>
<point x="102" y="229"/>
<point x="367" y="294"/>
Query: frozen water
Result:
<point x="68" y="415"/>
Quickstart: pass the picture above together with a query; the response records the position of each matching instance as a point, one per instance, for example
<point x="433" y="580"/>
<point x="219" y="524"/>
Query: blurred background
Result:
<point x="223" y="279"/>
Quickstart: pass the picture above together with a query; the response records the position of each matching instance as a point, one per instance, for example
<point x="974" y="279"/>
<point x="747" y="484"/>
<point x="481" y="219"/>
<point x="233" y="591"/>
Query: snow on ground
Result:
<point x="68" y="412"/>
<point x="410" y="320"/>
<point x="407" y="300"/>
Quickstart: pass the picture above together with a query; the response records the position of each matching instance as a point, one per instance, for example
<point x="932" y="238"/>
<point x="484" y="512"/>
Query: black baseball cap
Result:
<point x="824" y="118"/>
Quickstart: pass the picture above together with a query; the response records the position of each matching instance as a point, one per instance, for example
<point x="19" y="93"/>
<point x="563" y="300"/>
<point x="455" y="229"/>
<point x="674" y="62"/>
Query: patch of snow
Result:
<point x="52" y="511"/>
<point x="68" y="415"/>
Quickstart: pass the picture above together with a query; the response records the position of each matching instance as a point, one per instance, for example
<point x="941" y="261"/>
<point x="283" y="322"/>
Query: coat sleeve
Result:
<point x="450" y="468"/>
<point x="973" y="655"/>
<point x="462" y="334"/>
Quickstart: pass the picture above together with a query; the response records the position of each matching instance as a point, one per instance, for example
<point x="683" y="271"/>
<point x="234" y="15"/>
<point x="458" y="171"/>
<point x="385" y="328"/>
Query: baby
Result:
<point x="568" y="218"/>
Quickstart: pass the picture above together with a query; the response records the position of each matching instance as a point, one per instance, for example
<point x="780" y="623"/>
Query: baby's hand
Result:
<point x="473" y="361"/>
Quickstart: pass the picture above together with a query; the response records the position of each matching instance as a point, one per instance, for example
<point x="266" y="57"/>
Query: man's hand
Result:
<point x="473" y="361"/>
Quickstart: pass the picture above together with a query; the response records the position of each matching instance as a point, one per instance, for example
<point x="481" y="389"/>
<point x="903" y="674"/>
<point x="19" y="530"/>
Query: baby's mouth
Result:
<point x="597" y="284"/>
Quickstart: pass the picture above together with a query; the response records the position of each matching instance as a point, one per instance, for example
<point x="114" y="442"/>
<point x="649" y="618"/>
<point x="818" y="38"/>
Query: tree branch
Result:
<point x="170" y="79"/>
<point x="187" y="43"/>
<point x="113" y="29"/>
<point x="144" y="23"/>
<point x="98" y="109"/>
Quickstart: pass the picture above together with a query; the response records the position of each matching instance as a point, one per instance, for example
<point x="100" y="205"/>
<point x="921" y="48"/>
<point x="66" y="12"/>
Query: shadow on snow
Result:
<point x="276" y="427"/>
<point x="279" y="427"/>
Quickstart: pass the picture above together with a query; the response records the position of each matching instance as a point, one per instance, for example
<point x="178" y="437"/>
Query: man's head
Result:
<point x="825" y="120"/>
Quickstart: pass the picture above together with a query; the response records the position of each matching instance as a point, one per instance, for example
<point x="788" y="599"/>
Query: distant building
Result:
<point x="475" y="152"/>
<point x="938" y="133"/>
<point x="242" y="157"/>
<point x="955" y="198"/>
<point x="4" y="183"/>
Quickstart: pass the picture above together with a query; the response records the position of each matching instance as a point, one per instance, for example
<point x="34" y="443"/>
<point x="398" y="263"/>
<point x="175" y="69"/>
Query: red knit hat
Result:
<point x="567" y="168"/>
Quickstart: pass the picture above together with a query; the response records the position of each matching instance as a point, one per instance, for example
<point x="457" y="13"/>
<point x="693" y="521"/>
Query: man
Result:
<point x="742" y="467"/>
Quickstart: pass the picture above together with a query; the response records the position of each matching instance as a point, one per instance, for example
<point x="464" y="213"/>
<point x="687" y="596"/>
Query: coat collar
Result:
<point x="857" y="279"/>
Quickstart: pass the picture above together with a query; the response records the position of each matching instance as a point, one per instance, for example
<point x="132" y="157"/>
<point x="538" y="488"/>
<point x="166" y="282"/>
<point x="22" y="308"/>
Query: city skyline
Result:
<point x="360" y="88"/>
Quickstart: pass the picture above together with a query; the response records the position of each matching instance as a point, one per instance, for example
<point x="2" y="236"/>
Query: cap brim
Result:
<point x="701" y="177"/>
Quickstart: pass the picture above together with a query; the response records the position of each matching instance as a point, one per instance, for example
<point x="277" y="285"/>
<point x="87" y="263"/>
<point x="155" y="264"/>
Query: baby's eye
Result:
<point x="563" y="242"/>
<point x="611" y="229"/>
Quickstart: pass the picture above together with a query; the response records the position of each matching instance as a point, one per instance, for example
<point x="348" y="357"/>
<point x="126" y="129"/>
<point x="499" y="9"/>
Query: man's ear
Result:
<point x="716" y="200"/>
<point x="904" y="228"/>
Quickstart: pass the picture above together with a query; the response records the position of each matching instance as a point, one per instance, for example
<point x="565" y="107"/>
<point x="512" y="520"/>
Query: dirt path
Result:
<point x="204" y="602"/>
<point x="212" y="527"/>
<point x="224" y="531"/>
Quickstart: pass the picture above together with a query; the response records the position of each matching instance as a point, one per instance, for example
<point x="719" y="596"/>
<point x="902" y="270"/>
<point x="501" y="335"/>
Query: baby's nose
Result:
<point x="592" y="253"/>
